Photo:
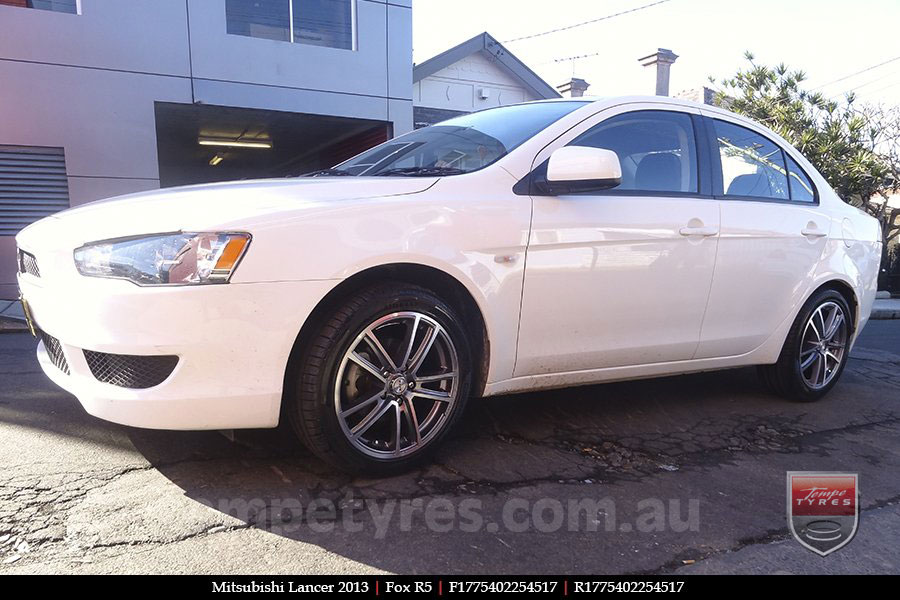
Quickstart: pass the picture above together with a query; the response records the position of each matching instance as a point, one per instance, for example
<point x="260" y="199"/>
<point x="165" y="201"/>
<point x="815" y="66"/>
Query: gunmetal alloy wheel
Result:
<point x="823" y="345"/>
<point x="383" y="380"/>
<point x="396" y="385"/>
<point x="815" y="351"/>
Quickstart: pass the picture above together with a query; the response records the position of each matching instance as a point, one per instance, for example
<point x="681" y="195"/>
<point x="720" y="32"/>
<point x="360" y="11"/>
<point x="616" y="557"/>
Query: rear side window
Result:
<point x="752" y="165"/>
<point x="656" y="149"/>
<point x="801" y="187"/>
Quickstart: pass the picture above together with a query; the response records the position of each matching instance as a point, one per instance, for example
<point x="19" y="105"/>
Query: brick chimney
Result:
<point x="663" y="60"/>
<point x="575" y="87"/>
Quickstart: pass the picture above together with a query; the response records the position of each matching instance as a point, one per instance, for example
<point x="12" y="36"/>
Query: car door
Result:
<point x="772" y="237"/>
<point x="621" y="277"/>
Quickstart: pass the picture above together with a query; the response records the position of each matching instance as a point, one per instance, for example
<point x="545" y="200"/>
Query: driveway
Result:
<point x="683" y="474"/>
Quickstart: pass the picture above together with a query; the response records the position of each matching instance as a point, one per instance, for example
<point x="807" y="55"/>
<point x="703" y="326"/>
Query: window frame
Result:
<point x="354" y="29"/>
<point x="58" y="12"/>
<point x="815" y="190"/>
<point x="532" y="183"/>
<point x="717" y="174"/>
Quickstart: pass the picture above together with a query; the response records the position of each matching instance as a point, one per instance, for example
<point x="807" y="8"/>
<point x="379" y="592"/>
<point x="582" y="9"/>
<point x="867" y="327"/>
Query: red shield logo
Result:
<point x="822" y="509"/>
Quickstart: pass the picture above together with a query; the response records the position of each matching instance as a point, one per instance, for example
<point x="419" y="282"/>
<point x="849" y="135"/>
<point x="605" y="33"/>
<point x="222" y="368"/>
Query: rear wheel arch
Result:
<point x="441" y="283"/>
<point x="846" y="290"/>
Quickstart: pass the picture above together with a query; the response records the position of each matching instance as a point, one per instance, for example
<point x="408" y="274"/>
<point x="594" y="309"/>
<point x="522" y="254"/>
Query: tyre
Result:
<point x="815" y="351"/>
<point x="383" y="380"/>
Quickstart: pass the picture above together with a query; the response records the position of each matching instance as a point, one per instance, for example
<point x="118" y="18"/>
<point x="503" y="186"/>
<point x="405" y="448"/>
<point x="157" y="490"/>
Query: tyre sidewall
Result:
<point x="789" y="362"/>
<point x="381" y="302"/>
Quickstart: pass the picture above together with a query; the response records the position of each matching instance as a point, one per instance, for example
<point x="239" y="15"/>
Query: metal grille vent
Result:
<point x="28" y="264"/>
<point x="129" y="371"/>
<point x="33" y="185"/>
<point x="54" y="350"/>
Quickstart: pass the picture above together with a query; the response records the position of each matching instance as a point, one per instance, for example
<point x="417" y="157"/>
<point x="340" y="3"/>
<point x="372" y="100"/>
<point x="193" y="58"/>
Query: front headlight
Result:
<point x="167" y="259"/>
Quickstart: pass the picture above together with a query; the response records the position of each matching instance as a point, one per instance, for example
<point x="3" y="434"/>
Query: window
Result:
<point x="751" y="165"/>
<point x="460" y="145"/>
<point x="801" y="187"/>
<point x="656" y="149"/>
<point x="318" y="22"/>
<point x="33" y="185"/>
<point x="64" y="6"/>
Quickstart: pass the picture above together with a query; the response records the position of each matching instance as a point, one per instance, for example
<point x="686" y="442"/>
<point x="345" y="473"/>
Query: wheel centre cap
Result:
<point x="399" y="385"/>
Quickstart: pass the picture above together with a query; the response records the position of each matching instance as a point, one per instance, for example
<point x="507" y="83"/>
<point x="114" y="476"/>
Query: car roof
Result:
<point x="596" y="102"/>
<point x="610" y="100"/>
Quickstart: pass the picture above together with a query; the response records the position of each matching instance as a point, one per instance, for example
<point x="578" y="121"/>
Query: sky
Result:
<point x="827" y="39"/>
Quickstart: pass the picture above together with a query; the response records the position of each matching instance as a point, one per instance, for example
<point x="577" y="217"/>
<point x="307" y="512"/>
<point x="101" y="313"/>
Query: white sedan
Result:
<point x="538" y="245"/>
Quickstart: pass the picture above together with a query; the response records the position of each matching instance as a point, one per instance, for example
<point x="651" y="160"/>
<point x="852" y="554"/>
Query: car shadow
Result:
<point x="555" y="444"/>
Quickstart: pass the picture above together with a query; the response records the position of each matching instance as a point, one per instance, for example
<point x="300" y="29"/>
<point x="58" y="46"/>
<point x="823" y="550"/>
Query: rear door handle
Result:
<point x="703" y="231"/>
<point x="812" y="232"/>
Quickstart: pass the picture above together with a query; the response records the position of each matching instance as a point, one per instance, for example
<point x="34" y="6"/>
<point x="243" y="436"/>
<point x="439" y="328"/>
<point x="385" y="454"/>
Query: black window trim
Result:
<point x="530" y="185"/>
<point x="715" y="163"/>
<point x="787" y="167"/>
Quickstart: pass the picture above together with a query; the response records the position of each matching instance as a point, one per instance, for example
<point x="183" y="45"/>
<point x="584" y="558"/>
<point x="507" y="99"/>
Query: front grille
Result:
<point x="54" y="350"/>
<point x="129" y="371"/>
<point x="28" y="264"/>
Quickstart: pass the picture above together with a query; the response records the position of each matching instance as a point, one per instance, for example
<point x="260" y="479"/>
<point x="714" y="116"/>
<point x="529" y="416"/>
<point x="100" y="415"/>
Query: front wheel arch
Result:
<point x="444" y="285"/>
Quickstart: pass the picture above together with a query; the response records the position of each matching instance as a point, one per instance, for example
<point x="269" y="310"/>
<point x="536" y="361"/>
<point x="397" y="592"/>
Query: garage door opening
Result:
<point x="203" y="144"/>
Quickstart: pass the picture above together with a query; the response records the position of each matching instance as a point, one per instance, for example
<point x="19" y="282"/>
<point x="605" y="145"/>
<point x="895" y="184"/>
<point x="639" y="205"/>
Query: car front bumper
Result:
<point x="232" y="342"/>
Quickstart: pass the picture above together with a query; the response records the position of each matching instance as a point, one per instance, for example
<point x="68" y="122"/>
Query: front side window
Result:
<point x="63" y="6"/>
<point x="752" y="165"/>
<point x="318" y="22"/>
<point x="460" y="145"/>
<point x="656" y="149"/>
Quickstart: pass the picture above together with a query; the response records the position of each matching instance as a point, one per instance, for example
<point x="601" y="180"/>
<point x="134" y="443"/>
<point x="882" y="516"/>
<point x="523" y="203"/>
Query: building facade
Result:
<point x="477" y="74"/>
<point x="104" y="97"/>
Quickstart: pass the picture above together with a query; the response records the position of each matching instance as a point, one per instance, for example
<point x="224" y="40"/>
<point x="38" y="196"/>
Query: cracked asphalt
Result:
<point x="677" y="475"/>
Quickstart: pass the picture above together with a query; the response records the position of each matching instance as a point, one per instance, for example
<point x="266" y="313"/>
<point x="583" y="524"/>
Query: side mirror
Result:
<point x="574" y="169"/>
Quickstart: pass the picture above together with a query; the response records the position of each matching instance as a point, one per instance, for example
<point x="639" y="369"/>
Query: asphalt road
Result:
<point x="676" y="475"/>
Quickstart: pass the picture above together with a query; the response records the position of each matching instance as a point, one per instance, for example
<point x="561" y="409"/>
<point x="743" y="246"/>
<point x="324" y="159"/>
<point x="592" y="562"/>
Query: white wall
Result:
<point x="458" y="86"/>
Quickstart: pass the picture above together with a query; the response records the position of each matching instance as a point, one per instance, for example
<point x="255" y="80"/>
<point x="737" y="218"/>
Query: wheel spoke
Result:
<point x="397" y="426"/>
<point x="370" y="419"/>
<point x="355" y="357"/>
<point x="817" y="369"/>
<point x="383" y="357"/>
<point x="438" y="377"/>
<point x="835" y="325"/>
<point x="821" y="322"/>
<point x="806" y="363"/>
<point x="410" y="410"/>
<point x="815" y="330"/>
<point x="411" y="339"/>
<point x="424" y="349"/>
<point x="431" y="395"/>
<point x="352" y="411"/>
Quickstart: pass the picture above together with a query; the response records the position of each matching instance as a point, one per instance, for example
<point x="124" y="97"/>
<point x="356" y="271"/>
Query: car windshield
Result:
<point x="460" y="145"/>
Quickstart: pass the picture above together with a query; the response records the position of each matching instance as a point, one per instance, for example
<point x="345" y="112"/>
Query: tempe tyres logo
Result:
<point x="822" y="509"/>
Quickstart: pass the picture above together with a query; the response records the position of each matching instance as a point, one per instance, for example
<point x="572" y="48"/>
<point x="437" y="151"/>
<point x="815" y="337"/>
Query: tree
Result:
<point x="856" y="148"/>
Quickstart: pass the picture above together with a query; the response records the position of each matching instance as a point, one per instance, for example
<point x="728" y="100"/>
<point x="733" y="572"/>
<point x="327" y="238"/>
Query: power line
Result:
<point x="881" y="89"/>
<point x="867" y="69"/>
<point x="870" y="82"/>
<point x="867" y="83"/>
<point x="568" y="27"/>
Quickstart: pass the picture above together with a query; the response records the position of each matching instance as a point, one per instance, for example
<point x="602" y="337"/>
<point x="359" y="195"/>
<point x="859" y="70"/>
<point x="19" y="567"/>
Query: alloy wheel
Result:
<point x="823" y="345"/>
<point x="396" y="385"/>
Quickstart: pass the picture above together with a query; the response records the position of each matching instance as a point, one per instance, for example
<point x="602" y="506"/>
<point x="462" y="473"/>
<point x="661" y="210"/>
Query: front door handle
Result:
<point x="702" y="231"/>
